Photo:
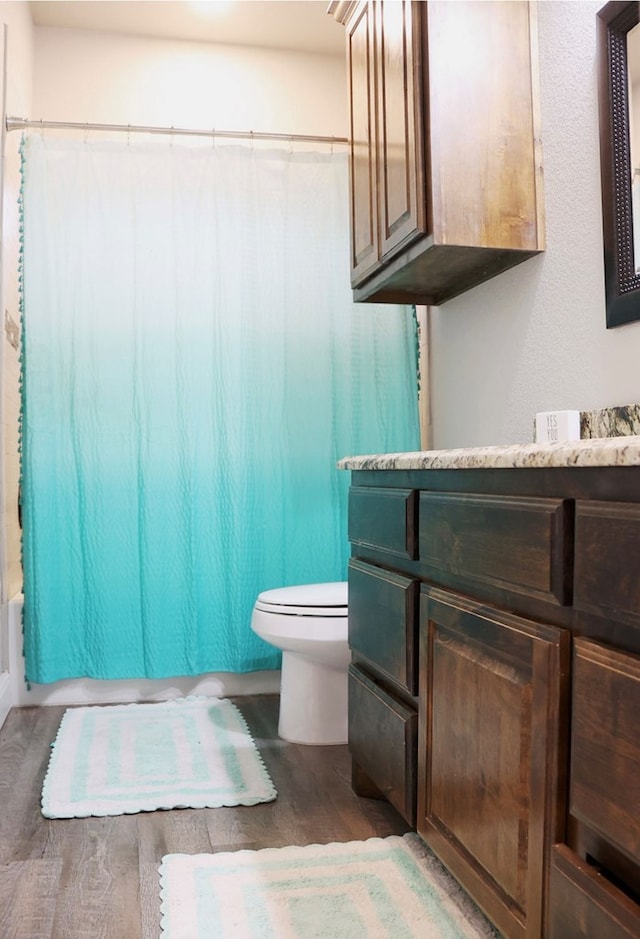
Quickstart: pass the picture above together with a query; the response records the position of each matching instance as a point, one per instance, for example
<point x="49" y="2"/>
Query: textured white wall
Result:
<point x="534" y="338"/>
<point x="111" y="78"/>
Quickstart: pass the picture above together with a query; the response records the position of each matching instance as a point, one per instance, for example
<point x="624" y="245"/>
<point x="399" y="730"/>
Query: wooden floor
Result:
<point x="97" y="878"/>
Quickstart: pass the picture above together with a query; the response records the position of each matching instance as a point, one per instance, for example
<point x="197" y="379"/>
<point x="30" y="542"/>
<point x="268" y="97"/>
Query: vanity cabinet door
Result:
<point x="604" y="791"/>
<point x="491" y="761"/>
<point x="585" y="905"/>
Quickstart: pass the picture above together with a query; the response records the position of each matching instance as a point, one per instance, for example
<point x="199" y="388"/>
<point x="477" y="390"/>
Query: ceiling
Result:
<point x="277" y="24"/>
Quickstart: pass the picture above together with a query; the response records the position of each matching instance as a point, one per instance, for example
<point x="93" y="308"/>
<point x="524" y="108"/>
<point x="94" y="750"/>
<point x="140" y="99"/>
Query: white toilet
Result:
<point x="309" y="624"/>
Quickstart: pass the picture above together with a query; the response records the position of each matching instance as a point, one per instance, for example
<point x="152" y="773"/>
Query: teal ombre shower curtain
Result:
<point x="193" y="367"/>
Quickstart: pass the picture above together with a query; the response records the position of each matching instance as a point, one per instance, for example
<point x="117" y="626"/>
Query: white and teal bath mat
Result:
<point x="191" y="753"/>
<point x="383" y="887"/>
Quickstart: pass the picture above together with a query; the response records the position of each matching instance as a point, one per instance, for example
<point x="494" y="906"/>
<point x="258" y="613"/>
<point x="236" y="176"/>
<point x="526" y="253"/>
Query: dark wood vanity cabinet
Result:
<point x="445" y="164"/>
<point x="494" y="621"/>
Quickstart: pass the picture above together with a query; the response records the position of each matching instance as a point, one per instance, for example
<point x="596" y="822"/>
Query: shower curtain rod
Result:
<point x="20" y="123"/>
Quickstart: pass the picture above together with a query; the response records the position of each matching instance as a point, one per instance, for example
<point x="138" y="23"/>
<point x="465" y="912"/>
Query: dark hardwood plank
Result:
<point x="149" y="901"/>
<point x="172" y="832"/>
<point x="98" y="877"/>
<point x="28" y="892"/>
<point x="315" y="800"/>
<point x="25" y="747"/>
<point x="98" y="894"/>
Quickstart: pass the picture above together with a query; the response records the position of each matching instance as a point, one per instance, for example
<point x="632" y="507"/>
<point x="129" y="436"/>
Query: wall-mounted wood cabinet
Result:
<point x="445" y="162"/>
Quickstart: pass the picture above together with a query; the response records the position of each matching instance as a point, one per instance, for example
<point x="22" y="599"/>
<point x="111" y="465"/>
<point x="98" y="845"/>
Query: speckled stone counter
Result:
<point x="605" y="451"/>
<point x="611" y="422"/>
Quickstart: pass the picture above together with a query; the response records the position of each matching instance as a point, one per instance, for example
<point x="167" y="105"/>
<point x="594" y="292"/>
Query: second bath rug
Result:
<point x="374" y="889"/>
<point x="194" y="752"/>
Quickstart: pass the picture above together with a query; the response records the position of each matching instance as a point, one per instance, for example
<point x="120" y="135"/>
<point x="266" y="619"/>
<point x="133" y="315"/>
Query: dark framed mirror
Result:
<point x="619" y="104"/>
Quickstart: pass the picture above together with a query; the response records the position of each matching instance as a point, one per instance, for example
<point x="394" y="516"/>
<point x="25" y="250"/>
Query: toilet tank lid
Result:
<point x="308" y="595"/>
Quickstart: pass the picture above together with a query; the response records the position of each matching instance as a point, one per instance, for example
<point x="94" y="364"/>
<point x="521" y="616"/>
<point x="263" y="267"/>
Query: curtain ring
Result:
<point x="213" y="138"/>
<point x="251" y="135"/>
<point x="128" y="135"/>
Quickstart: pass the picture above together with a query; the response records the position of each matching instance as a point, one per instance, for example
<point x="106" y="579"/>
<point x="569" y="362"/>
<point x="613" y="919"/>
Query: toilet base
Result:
<point x="313" y="702"/>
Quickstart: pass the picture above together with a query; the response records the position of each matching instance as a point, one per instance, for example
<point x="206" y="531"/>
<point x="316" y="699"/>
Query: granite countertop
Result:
<point x="600" y="451"/>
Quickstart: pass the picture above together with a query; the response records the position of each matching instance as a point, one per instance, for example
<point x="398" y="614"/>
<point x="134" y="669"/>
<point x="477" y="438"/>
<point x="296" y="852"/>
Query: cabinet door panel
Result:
<point x="382" y="741"/>
<point x="482" y="100"/>
<point x="522" y="545"/>
<point x="383" y="621"/>
<point x="402" y="194"/>
<point x="384" y="519"/>
<point x="605" y="744"/>
<point x="493" y="693"/>
<point x="607" y="549"/>
<point x="584" y="905"/>
<point x="363" y="187"/>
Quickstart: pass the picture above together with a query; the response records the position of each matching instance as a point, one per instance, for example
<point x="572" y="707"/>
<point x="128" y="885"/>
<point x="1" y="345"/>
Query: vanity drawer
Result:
<point x="383" y="617"/>
<point x="521" y="545"/>
<point x="584" y="905"/>
<point x="607" y="552"/>
<point x="383" y="737"/>
<point x="604" y="790"/>
<point x="384" y="519"/>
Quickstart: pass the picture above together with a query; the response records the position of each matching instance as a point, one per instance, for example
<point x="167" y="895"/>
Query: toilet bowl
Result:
<point x="309" y="624"/>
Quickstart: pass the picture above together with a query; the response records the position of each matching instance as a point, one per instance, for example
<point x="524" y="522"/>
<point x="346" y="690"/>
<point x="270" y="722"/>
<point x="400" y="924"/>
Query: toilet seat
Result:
<point x="325" y="600"/>
<point x="309" y="624"/>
